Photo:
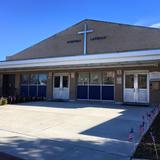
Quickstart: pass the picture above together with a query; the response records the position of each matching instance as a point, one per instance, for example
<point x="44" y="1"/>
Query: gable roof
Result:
<point x="106" y="37"/>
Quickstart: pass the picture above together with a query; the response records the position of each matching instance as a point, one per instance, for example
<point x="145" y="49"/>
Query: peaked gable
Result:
<point x="106" y="37"/>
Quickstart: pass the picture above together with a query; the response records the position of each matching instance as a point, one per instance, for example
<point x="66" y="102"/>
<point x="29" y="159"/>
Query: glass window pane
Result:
<point x="34" y="79"/>
<point x="95" y="78"/>
<point x="129" y="81"/>
<point x="83" y="78"/>
<point x="24" y="78"/>
<point x="108" y="77"/>
<point x="142" y="81"/>
<point x="65" y="81"/>
<point x="42" y="79"/>
<point x="57" y="81"/>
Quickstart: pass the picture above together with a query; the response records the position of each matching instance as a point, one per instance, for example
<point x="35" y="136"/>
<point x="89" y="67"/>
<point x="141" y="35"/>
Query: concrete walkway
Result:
<point x="69" y="130"/>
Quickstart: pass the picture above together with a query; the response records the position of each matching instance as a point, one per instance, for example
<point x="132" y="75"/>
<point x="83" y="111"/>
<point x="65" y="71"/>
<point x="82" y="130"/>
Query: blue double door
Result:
<point x="95" y="92"/>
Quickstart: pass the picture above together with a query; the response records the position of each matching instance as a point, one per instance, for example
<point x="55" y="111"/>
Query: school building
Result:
<point x="91" y="60"/>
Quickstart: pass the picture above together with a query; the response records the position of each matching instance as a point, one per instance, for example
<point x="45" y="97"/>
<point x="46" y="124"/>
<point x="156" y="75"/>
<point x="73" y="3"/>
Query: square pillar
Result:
<point x="119" y="86"/>
<point x="73" y="86"/>
<point x="1" y="84"/>
<point x="17" y="84"/>
<point x="50" y="86"/>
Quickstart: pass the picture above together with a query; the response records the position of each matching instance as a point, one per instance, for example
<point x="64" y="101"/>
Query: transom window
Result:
<point x="108" y="78"/>
<point x="96" y="78"/>
<point x="24" y="79"/>
<point x="83" y="78"/>
<point x="34" y="79"/>
<point x="42" y="79"/>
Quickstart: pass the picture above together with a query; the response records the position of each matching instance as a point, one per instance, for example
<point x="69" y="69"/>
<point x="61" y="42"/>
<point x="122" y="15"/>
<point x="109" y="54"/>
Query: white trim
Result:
<point x="106" y="58"/>
<point x="137" y="72"/>
<point x="54" y="88"/>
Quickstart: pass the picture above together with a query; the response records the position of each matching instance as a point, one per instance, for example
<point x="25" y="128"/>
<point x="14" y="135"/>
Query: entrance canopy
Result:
<point x="149" y="57"/>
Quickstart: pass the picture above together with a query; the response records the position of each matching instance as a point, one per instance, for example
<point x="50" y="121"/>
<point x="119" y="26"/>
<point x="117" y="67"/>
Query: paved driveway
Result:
<point x="69" y="130"/>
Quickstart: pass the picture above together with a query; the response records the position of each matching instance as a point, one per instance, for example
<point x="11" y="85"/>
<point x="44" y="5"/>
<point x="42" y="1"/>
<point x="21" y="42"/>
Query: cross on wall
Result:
<point x="84" y="32"/>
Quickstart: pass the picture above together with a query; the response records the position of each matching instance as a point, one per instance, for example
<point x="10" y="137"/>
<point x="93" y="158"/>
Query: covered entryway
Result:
<point x="136" y="87"/>
<point x="61" y="86"/>
<point x="9" y="85"/>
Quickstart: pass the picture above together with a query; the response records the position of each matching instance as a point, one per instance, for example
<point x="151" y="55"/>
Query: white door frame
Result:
<point x="60" y="88"/>
<point x="137" y="72"/>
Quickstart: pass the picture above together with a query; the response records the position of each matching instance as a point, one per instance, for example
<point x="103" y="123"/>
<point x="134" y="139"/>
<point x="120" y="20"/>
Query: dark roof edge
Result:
<point x="123" y="24"/>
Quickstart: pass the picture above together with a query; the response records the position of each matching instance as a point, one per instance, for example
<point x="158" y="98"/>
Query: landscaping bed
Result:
<point x="18" y="99"/>
<point x="145" y="149"/>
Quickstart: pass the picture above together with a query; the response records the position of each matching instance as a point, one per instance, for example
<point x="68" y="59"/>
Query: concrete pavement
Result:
<point x="69" y="130"/>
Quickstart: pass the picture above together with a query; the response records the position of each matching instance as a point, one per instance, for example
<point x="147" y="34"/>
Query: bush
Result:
<point x="3" y="101"/>
<point x="0" y="101"/>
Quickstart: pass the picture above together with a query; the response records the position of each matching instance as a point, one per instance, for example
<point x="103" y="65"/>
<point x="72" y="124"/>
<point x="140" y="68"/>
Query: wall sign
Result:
<point x="98" y="38"/>
<point x="91" y="39"/>
<point x="74" y="41"/>
<point x="154" y="76"/>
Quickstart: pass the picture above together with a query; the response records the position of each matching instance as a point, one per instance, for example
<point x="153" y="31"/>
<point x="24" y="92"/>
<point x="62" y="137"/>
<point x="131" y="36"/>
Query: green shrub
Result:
<point x="4" y="101"/>
<point x="0" y="101"/>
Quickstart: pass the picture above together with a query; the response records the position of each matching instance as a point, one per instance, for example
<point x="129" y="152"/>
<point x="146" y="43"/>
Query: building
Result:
<point x="91" y="60"/>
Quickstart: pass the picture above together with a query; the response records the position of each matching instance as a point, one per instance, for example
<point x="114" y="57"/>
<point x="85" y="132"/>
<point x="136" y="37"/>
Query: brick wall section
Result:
<point x="119" y="38"/>
<point x="119" y="87"/>
<point x="17" y="83"/>
<point x="50" y="86"/>
<point x="154" y="94"/>
<point x="73" y="85"/>
<point x="1" y="84"/>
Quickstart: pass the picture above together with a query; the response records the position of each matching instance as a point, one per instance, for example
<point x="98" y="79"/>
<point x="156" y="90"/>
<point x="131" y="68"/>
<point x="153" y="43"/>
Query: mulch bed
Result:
<point x="145" y="149"/>
<point x="4" y="156"/>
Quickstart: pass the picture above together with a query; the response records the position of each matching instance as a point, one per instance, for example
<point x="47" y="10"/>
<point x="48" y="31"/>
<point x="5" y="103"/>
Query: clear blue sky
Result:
<point x="26" y="22"/>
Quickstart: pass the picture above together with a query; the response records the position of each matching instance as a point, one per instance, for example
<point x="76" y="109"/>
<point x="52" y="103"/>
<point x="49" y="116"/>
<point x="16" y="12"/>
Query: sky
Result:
<point x="26" y="22"/>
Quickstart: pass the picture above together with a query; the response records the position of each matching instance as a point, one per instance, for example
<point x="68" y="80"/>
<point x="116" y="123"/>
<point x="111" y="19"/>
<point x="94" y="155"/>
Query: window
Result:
<point x="42" y="79"/>
<point x="65" y="81"/>
<point x="83" y="78"/>
<point x="129" y="81"/>
<point x="108" y="78"/>
<point x="34" y="79"/>
<point x="95" y="78"/>
<point x="57" y="81"/>
<point x="142" y="81"/>
<point x="25" y="79"/>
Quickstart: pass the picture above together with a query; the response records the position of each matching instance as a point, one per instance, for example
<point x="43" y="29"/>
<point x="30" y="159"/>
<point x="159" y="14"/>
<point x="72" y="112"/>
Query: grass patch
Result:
<point x="145" y="149"/>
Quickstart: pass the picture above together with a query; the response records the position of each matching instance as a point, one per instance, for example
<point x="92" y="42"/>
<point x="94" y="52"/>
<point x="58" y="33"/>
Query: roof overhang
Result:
<point x="121" y="58"/>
